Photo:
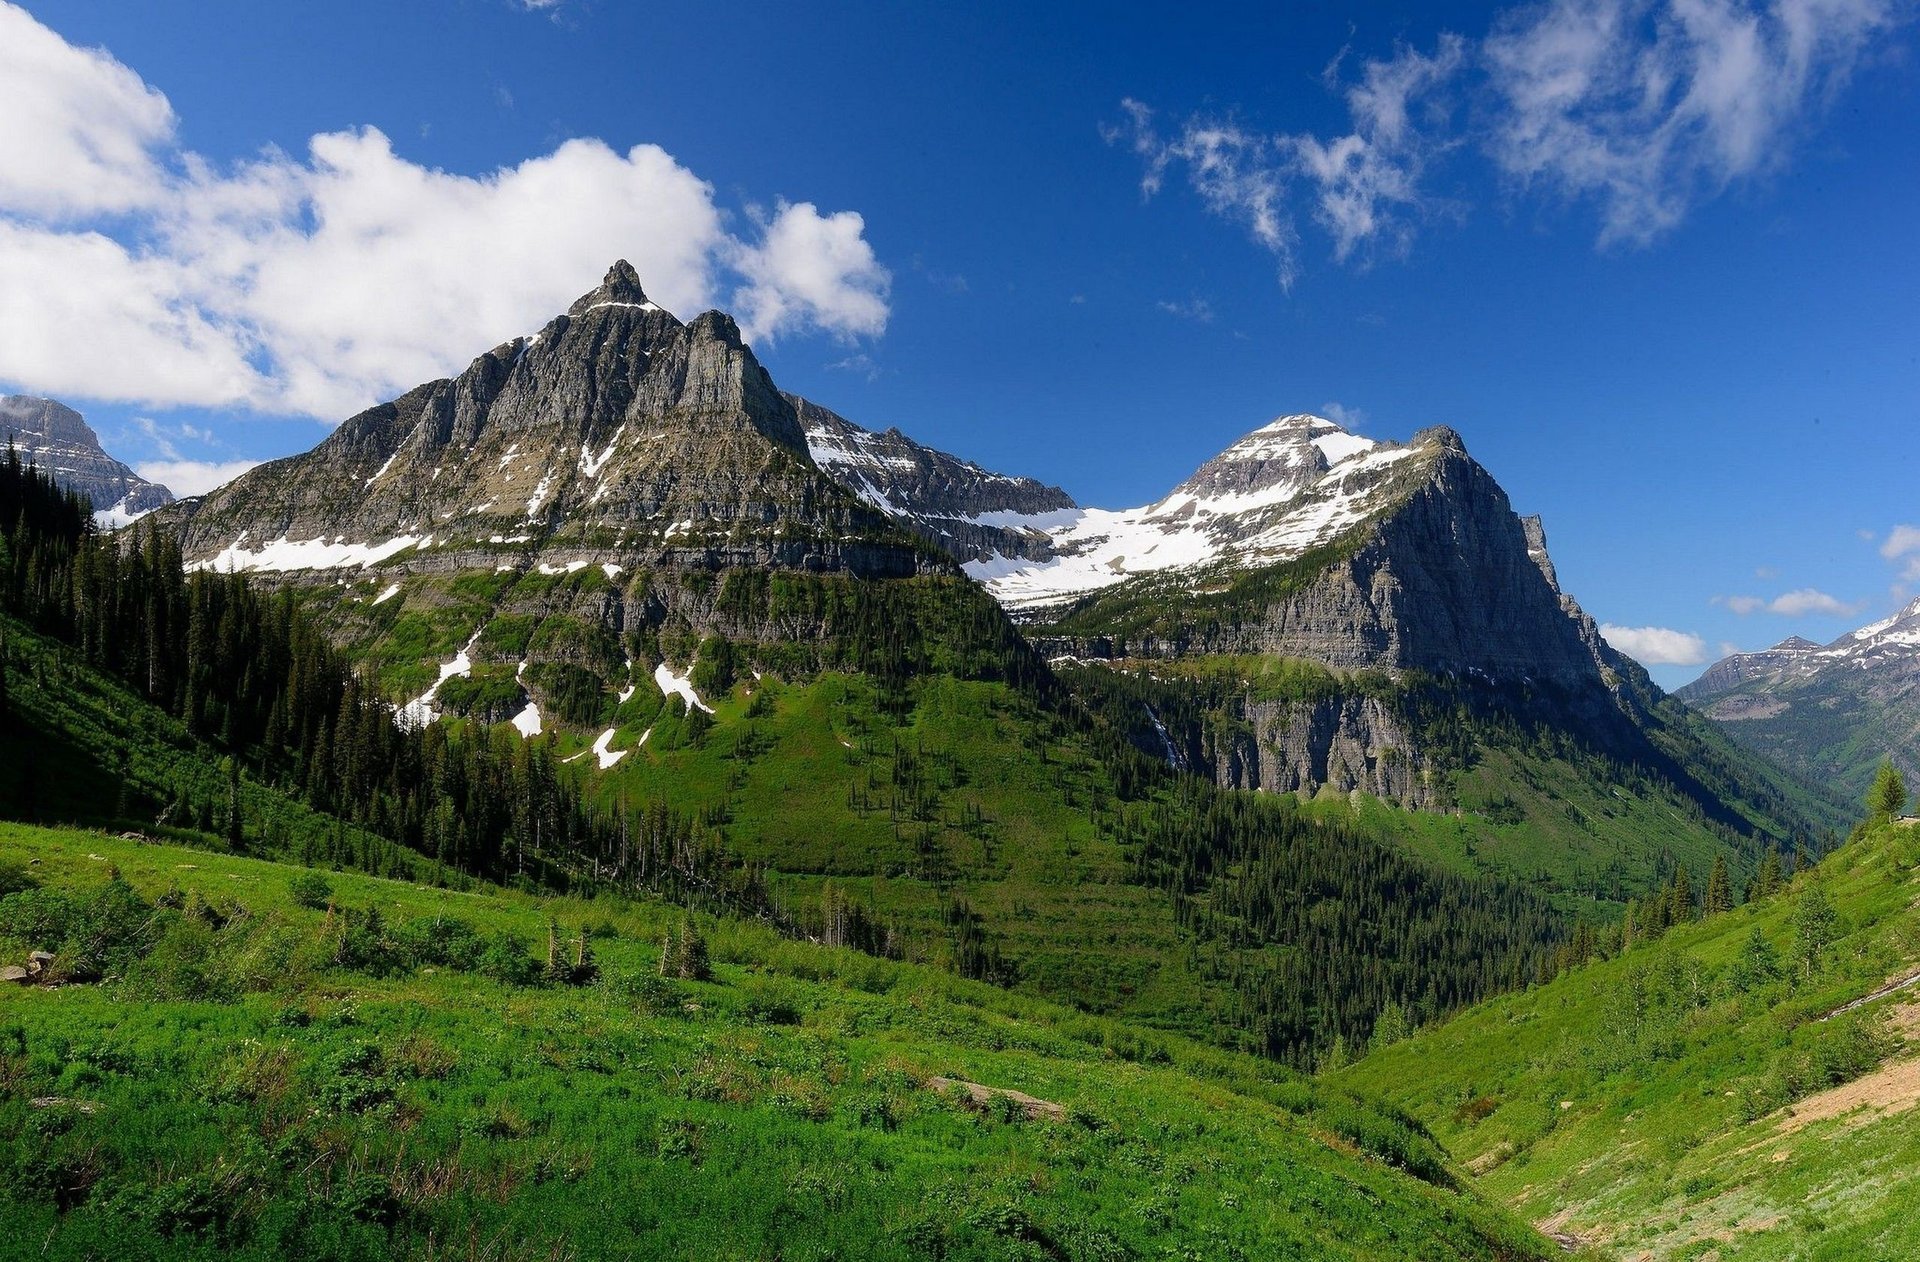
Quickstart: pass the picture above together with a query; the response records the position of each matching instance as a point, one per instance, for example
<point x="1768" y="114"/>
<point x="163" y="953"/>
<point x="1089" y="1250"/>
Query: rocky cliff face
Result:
<point x="1388" y="557"/>
<point x="615" y="436"/>
<point x="954" y="504"/>
<point x="1402" y="561"/>
<point x="59" y="440"/>
<point x="1344" y="742"/>
<point x="1829" y="712"/>
<point x="624" y="484"/>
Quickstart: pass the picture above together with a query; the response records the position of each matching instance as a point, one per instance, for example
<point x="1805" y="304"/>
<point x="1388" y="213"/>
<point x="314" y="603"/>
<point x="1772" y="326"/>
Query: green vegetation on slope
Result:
<point x="1708" y="1092"/>
<point x="1530" y="784"/>
<point x="263" y="1075"/>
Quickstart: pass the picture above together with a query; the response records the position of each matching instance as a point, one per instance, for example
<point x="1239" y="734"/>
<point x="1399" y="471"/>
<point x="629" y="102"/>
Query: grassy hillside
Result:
<point x="1692" y="1097"/>
<point x="270" y="1071"/>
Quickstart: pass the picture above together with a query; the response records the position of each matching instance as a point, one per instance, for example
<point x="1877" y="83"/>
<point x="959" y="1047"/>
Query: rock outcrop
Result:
<point x="954" y="504"/>
<point x="59" y="441"/>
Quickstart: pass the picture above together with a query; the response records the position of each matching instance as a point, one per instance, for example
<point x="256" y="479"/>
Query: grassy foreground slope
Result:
<point x="262" y="1077"/>
<point x="1701" y="1096"/>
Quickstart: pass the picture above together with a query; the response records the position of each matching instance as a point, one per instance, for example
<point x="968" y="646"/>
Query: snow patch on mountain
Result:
<point x="283" y="554"/>
<point x="1290" y="486"/>
<point x="673" y="685"/>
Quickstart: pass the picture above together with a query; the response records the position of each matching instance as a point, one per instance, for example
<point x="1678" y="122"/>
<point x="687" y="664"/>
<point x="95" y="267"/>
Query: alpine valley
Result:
<point x="919" y="855"/>
<point x="617" y="533"/>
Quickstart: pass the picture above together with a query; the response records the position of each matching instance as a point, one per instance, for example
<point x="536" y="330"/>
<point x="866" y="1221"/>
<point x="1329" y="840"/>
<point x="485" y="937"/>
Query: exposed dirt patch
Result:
<point x="1892" y="1089"/>
<point x="983" y="1096"/>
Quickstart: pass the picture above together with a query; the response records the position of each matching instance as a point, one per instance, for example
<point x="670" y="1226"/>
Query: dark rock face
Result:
<point x="58" y="439"/>
<point x="1446" y="584"/>
<point x="1433" y="574"/>
<point x="955" y="505"/>
<point x="606" y="480"/>
<point x="1350" y="742"/>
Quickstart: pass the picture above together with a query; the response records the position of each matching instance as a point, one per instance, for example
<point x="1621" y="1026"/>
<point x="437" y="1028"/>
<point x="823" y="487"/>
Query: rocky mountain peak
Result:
<point x="616" y="435"/>
<point x="1283" y="455"/>
<point x="1794" y="644"/>
<point x="57" y="439"/>
<point x="620" y="288"/>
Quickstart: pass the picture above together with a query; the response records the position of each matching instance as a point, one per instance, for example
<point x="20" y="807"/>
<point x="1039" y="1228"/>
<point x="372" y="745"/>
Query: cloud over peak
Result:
<point x="131" y="270"/>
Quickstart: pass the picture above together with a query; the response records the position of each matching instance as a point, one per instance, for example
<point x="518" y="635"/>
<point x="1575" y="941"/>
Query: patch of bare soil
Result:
<point x="983" y="1096"/>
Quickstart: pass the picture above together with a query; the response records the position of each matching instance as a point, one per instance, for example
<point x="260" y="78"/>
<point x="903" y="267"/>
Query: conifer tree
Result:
<point x="1767" y="881"/>
<point x="1887" y="799"/>
<point x="1814" y="926"/>
<point x="1719" y="896"/>
<point x="1680" y="897"/>
<point x="694" y="965"/>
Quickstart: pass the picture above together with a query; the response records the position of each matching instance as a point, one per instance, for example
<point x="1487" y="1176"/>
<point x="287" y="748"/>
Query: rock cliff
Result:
<point x="58" y="439"/>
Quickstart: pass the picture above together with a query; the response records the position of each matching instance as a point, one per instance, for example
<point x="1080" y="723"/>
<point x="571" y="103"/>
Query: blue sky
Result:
<point x="1657" y="262"/>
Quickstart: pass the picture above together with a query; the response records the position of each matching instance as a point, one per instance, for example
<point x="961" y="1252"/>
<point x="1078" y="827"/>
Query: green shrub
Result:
<point x="311" y="890"/>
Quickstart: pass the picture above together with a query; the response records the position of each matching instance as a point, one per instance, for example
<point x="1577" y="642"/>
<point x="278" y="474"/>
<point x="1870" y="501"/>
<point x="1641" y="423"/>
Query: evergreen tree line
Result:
<point x="250" y="675"/>
<point x="1360" y="926"/>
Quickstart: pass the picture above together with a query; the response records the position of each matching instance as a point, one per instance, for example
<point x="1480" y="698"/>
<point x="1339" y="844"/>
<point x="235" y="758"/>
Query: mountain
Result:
<point x="1303" y="540"/>
<point x="952" y="503"/>
<point x="1830" y="712"/>
<point x="617" y="535"/>
<point x="1730" y="672"/>
<point x="619" y="486"/>
<point x="1314" y="611"/>
<point x="58" y="439"/>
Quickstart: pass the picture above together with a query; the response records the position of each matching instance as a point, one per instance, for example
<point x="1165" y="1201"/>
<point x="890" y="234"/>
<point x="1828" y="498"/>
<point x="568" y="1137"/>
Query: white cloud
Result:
<point x="1657" y="646"/>
<point x="192" y="477"/>
<point x="1196" y="309"/>
<point x="1240" y="175"/>
<point x="1367" y="180"/>
<point x="1645" y="107"/>
<point x="1353" y="420"/>
<point x="1793" y="604"/>
<point x="1649" y="106"/>
<point x="1900" y="541"/>
<point x="320" y="284"/>
<point x="78" y="133"/>
<point x="811" y="270"/>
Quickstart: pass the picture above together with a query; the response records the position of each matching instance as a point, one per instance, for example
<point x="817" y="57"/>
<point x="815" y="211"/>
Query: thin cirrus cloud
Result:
<point x="1640" y="109"/>
<point x="1657" y="646"/>
<point x="133" y="270"/>
<point x="1793" y="604"/>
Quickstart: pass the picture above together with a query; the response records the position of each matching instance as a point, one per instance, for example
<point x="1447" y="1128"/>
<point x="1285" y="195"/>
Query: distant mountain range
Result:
<point x="1832" y="712"/>
<point x="59" y="441"/>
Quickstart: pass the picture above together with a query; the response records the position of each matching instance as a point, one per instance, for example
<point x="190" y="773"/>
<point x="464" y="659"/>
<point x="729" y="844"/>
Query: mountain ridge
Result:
<point x="53" y="436"/>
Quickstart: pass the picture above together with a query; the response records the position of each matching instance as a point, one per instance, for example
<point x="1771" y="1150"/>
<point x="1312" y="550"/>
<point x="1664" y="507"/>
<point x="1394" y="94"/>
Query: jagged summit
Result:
<point x="620" y="288"/>
<point x="617" y="435"/>
<point x="1794" y="644"/>
<point x="51" y="435"/>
